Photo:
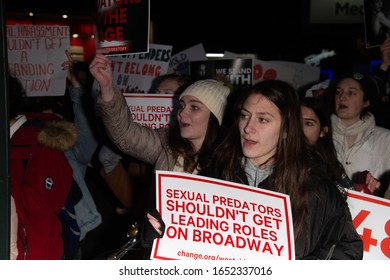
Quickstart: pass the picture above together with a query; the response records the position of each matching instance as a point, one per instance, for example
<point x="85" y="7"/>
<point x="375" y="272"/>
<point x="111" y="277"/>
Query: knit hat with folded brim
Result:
<point x="211" y="93"/>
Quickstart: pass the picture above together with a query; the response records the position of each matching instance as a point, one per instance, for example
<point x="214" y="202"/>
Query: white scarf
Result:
<point x="180" y="164"/>
<point x="359" y="128"/>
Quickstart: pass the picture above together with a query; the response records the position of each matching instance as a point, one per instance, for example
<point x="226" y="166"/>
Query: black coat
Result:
<point x="328" y="232"/>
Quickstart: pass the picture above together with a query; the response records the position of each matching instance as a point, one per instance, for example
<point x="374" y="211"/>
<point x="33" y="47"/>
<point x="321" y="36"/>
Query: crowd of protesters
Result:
<point x="102" y="175"/>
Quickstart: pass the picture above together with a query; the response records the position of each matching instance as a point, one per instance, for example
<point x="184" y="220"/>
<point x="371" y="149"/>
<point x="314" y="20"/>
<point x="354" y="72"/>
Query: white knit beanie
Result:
<point x="211" y="93"/>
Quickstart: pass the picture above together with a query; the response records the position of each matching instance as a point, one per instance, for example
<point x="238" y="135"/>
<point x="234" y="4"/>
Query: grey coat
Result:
<point x="141" y="142"/>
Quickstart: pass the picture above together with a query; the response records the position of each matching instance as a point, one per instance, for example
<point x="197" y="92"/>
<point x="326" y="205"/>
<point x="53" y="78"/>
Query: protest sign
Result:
<point x="152" y="110"/>
<point x="371" y="218"/>
<point x="123" y="26"/>
<point x="35" y="55"/>
<point x="264" y="70"/>
<point x="304" y="74"/>
<point x="237" y="71"/>
<point x="210" y="219"/>
<point x="180" y="62"/>
<point x="135" y="73"/>
<point x="297" y="74"/>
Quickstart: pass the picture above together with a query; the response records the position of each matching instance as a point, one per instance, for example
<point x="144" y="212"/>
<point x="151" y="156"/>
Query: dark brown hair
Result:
<point x="291" y="162"/>
<point x="183" y="147"/>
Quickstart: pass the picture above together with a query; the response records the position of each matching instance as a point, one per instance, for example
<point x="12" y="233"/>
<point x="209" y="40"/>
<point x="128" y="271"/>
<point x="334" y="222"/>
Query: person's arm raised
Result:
<point x="101" y="70"/>
<point x="385" y="54"/>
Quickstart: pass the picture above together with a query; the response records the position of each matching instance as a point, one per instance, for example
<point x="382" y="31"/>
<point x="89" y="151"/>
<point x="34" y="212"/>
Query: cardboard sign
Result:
<point x="371" y="218"/>
<point x="210" y="219"/>
<point x="35" y="55"/>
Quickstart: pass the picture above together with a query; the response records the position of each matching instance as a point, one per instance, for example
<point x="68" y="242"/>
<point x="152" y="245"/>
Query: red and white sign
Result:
<point x="371" y="218"/>
<point x="135" y="73"/>
<point x="153" y="110"/>
<point x="210" y="219"/>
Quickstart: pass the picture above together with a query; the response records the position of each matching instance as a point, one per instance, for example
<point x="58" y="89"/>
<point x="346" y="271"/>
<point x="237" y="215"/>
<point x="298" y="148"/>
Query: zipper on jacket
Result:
<point x="330" y="253"/>
<point x="24" y="242"/>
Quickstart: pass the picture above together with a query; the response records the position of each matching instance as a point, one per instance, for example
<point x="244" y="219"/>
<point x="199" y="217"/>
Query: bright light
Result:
<point x="75" y="35"/>
<point x="214" y="55"/>
<point x="31" y="14"/>
<point x="64" y="16"/>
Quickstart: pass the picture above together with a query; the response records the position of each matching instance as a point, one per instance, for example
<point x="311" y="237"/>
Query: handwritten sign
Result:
<point x="212" y="219"/>
<point x="135" y="73"/>
<point x="35" y="55"/>
<point x="371" y="218"/>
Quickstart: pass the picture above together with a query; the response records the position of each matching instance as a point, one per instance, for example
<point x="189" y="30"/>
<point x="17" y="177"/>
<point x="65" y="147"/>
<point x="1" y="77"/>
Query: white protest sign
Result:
<point x="153" y="110"/>
<point x="210" y="219"/>
<point x="371" y="218"/>
<point x="35" y="55"/>
<point x="264" y="70"/>
<point x="304" y="74"/>
<point x="135" y="73"/>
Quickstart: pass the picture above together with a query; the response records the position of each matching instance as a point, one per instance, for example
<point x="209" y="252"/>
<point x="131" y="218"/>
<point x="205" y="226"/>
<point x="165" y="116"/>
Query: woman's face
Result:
<point x="259" y="127"/>
<point x="377" y="5"/>
<point x="193" y="117"/>
<point x="349" y="101"/>
<point x="311" y="124"/>
<point x="168" y="86"/>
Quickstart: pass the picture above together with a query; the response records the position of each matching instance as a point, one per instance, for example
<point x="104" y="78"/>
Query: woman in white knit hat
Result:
<point x="186" y="145"/>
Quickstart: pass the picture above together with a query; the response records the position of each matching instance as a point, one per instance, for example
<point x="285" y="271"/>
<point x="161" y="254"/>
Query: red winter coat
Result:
<point x="41" y="178"/>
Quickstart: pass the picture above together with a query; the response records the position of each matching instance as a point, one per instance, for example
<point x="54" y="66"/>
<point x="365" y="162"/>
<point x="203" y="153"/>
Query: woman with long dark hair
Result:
<point x="267" y="149"/>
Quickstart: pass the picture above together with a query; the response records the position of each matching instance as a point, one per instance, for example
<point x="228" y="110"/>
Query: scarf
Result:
<point x="359" y="128"/>
<point x="180" y="164"/>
